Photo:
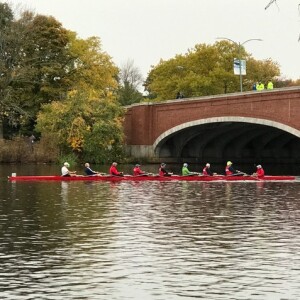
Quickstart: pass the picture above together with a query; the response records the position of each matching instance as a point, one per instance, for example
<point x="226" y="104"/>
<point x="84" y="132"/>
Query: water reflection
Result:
<point x="150" y="240"/>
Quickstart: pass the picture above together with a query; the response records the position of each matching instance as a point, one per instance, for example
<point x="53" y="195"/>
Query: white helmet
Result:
<point x="207" y="165"/>
<point x="185" y="164"/>
<point x="66" y="164"/>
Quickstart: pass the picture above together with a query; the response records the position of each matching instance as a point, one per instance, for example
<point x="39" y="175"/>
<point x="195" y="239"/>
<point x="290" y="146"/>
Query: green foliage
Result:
<point x="33" y="60"/>
<point x="71" y="158"/>
<point x="89" y="127"/>
<point x="128" y="95"/>
<point x="43" y="68"/>
<point x="206" y="70"/>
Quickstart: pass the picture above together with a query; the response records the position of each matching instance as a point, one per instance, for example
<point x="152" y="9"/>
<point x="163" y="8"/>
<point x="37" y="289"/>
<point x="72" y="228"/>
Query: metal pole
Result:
<point x="239" y="54"/>
<point x="240" y="62"/>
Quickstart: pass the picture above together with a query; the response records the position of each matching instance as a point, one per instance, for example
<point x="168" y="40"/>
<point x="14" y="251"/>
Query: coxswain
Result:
<point x="65" y="172"/>
<point x="207" y="171"/>
<point x="162" y="170"/>
<point x="259" y="171"/>
<point x="113" y="170"/>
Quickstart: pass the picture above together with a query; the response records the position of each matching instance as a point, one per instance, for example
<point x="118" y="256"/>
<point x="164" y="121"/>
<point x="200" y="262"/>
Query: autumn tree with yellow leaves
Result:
<point x="88" y="121"/>
<point x="59" y="86"/>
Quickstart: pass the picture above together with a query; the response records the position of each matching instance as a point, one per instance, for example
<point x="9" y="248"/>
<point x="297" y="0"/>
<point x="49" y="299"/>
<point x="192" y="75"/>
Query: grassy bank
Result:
<point x="23" y="150"/>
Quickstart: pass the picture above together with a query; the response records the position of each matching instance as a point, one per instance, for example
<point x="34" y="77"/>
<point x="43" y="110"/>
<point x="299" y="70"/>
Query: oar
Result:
<point x="245" y="174"/>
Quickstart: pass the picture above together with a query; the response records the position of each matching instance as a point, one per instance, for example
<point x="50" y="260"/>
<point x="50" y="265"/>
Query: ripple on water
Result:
<point x="150" y="240"/>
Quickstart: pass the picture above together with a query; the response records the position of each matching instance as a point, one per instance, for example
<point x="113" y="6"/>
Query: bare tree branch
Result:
<point x="272" y="2"/>
<point x="275" y="1"/>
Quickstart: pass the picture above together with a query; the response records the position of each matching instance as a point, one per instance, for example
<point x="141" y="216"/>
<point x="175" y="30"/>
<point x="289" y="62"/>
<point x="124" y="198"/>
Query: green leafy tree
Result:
<point x="44" y="71"/>
<point x="10" y="57"/>
<point x="33" y="59"/>
<point x="205" y="70"/>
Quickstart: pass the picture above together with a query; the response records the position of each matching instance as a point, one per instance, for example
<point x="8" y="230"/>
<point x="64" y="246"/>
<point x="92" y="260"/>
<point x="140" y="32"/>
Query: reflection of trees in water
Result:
<point x="46" y="216"/>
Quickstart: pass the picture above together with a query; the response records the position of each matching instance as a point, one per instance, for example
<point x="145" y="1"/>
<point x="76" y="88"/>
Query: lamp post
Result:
<point x="239" y="45"/>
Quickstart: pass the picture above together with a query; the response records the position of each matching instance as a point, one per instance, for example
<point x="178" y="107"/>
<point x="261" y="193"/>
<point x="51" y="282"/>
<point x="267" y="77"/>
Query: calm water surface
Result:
<point x="149" y="240"/>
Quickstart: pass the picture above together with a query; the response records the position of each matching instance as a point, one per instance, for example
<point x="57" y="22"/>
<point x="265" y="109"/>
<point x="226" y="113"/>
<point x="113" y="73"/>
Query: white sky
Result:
<point x="147" y="30"/>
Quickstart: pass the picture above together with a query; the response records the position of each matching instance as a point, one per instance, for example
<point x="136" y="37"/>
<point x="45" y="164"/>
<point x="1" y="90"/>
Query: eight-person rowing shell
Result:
<point x="229" y="171"/>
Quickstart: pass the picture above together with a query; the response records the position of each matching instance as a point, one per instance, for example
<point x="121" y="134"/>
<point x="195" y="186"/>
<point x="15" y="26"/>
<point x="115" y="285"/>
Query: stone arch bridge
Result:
<point x="250" y="127"/>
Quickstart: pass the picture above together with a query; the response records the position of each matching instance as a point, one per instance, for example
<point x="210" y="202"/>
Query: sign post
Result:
<point x="239" y="68"/>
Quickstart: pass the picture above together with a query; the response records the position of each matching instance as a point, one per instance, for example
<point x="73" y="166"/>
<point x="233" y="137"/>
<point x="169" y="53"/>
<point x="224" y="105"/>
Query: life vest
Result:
<point x="227" y="171"/>
<point x="270" y="85"/>
<point x="204" y="171"/>
<point x="137" y="171"/>
<point x="162" y="172"/>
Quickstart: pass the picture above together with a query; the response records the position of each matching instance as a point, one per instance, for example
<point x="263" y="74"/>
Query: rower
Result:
<point x="186" y="172"/>
<point x="207" y="171"/>
<point x="137" y="171"/>
<point x="114" y="171"/>
<point x="260" y="173"/>
<point x="230" y="171"/>
<point x="65" y="172"/>
<point x="89" y="172"/>
<point x="162" y="170"/>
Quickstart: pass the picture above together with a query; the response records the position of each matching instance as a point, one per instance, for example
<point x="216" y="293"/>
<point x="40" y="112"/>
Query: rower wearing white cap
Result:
<point x="259" y="171"/>
<point x="66" y="172"/>
<point x="186" y="172"/>
<point x="207" y="171"/>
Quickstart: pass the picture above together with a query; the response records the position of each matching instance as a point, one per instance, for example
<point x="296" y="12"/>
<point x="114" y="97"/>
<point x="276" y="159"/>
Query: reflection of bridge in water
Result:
<point x="245" y="127"/>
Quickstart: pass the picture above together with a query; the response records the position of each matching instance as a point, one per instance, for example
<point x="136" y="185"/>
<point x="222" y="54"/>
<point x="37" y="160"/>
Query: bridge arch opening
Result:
<point x="246" y="141"/>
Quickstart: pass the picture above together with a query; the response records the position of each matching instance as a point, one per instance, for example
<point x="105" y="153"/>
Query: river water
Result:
<point x="148" y="240"/>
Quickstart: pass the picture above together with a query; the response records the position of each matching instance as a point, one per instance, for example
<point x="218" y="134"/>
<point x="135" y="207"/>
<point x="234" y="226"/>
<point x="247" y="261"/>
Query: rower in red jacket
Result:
<point x="163" y="172"/>
<point x="259" y="172"/>
<point x="114" y="171"/>
<point x="207" y="171"/>
<point x="137" y="171"/>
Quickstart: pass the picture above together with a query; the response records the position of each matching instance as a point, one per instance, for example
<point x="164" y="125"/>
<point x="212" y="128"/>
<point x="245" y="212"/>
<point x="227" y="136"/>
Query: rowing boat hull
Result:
<point x="151" y="178"/>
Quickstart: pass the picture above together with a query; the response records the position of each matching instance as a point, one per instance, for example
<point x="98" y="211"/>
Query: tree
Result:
<point x="88" y="121"/>
<point x="130" y="79"/>
<point x="91" y="69"/>
<point x="34" y="57"/>
<point x="89" y="127"/>
<point x="10" y="55"/>
<point x="206" y="70"/>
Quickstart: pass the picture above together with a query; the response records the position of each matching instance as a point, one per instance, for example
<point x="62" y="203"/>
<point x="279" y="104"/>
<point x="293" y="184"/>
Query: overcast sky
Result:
<point x="147" y="30"/>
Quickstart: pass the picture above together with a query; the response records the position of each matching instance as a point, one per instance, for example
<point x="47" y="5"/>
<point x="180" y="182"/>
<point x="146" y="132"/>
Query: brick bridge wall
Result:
<point x="145" y="123"/>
